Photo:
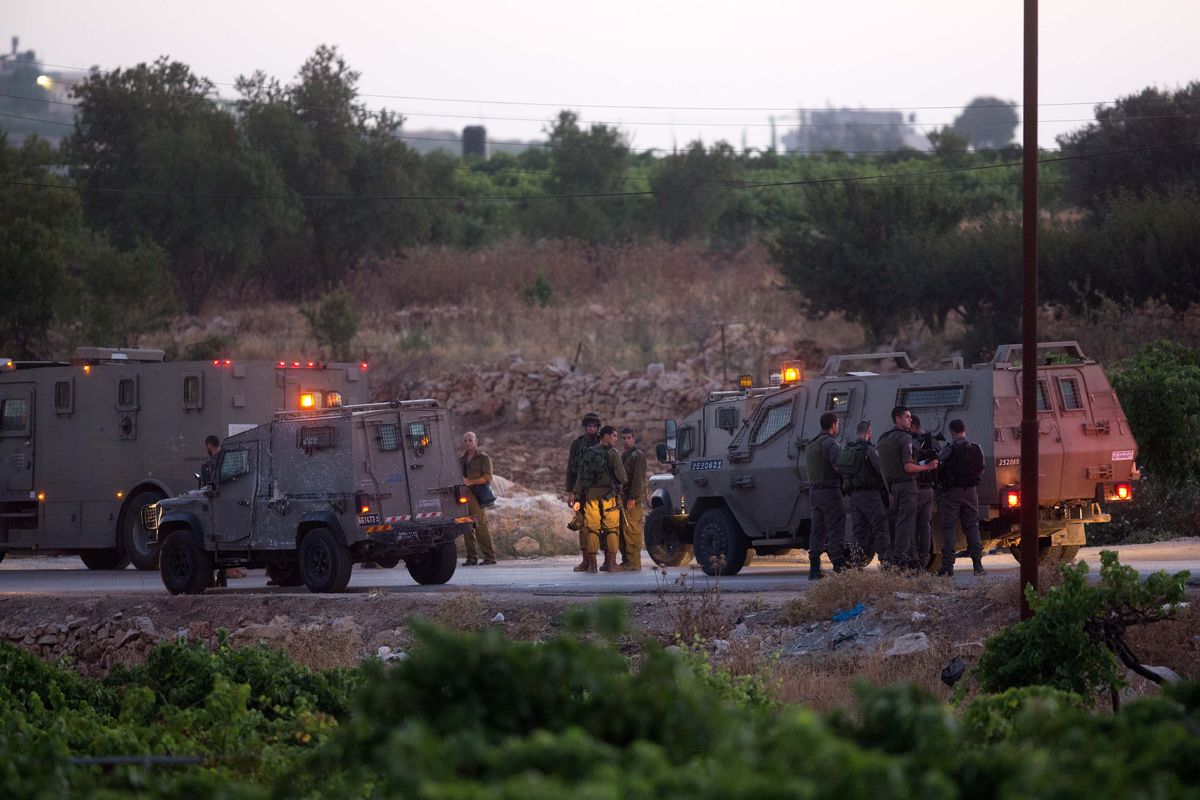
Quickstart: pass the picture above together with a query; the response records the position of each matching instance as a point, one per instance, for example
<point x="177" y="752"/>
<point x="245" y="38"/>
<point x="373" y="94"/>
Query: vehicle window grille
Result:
<point x="127" y="393"/>
<point x="775" y="420"/>
<point x="418" y="436"/>
<point x="314" y="438"/>
<point x="234" y="463"/>
<point x="727" y="418"/>
<point x="62" y="396"/>
<point x="14" y="416"/>
<point x="838" y="402"/>
<point x="931" y="396"/>
<point x="191" y="391"/>
<point x="1043" y="401"/>
<point x="1069" y="388"/>
<point x="389" y="436"/>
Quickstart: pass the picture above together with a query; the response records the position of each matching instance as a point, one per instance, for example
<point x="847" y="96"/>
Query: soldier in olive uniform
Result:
<point x="476" y="468"/>
<point x="960" y="498"/>
<point x="828" y="516"/>
<point x="589" y="438"/>
<point x="863" y="478"/>
<point x="634" y="494"/>
<point x="923" y="451"/>
<point x="900" y="470"/>
<point x="598" y="488"/>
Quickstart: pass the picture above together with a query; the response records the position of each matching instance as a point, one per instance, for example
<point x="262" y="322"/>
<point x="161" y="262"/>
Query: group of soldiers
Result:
<point x="607" y="491"/>
<point x="891" y="490"/>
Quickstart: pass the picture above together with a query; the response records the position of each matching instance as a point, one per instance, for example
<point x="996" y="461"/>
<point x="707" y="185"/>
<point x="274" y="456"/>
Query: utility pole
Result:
<point x="1029" y="306"/>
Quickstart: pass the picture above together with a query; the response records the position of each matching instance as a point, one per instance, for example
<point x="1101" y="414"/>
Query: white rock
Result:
<point x="908" y="644"/>
<point x="498" y="618"/>
<point x="741" y="631"/>
<point x="1166" y="673"/>
<point x="917" y="616"/>
<point x="721" y="645"/>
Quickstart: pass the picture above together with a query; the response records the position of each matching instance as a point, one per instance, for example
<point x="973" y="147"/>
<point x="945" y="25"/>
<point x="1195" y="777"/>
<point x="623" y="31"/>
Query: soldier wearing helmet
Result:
<point x="589" y="438"/>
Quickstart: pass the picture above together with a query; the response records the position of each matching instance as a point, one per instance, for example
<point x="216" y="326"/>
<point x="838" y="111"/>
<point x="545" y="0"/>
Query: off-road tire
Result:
<point x="389" y="562"/>
<point x="284" y="573"/>
<point x="433" y="566"/>
<point x="325" y="563"/>
<point x="1050" y="554"/>
<point x="186" y="567"/>
<point x="720" y="546"/>
<point x="665" y="549"/>
<point x="135" y="539"/>
<point x="107" y="559"/>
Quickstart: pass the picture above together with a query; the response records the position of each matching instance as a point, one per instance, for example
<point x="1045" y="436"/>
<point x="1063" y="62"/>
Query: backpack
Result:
<point x="852" y="464"/>
<point x="593" y="468"/>
<point x="964" y="466"/>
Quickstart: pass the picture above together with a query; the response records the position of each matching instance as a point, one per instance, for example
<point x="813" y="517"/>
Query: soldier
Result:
<point x="924" y="450"/>
<point x="828" y="526"/>
<point x="634" y="495"/>
<point x="900" y="470"/>
<point x="598" y="488"/>
<point x="476" y="468"/>
<point x="589" y="438"/>
<point x="208" y="471"/>
<point x="859" y="466"/>
<point x="963" y="463"/>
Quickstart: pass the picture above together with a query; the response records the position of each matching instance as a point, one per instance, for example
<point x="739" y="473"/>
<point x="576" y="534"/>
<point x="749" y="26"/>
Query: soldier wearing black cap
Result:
<point x="589" y="438"/>
<point x="827" y="530"/>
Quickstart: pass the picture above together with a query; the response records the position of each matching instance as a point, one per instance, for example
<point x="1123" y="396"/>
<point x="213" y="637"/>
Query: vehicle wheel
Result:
<point x="135" y="539"/>
<point x="389" y="562"/>
<point x="186" y="568"/>
<point x="665" y="548"/>
<point x="433" y="566"/>
<point x="325" y="563"/>
<point x="284" y="573"/>
<point x="720" y="545"/>
<point x="111" y="558"/>
<point x="1050" y="554"/>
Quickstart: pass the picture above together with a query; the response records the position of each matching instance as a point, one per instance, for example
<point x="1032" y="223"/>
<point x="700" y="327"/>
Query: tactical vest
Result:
<point x="593" y="468"/>
<point x="889" y="455"/>
<point x="856" y="470"/>
<point x="819" y="470"/>
<point x="964" y="465"/>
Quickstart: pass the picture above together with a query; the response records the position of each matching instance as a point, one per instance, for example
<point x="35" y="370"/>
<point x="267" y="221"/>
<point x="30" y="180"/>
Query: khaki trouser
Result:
<point x="635" y="521"/>
<point x="479" y="533"/>
<point x="601" y="518"/>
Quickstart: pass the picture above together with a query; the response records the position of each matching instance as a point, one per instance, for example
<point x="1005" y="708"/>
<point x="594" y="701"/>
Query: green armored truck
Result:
<point x="310" y="494"/>
<point x="738" y="483"/>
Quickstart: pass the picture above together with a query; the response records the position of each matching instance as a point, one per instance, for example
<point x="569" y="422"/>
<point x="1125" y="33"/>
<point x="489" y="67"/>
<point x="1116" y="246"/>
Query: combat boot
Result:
<point x="610" y="562"/>
<point x="978" y="564"/>
<point x="583" y="565"/>
<point x="815" y="573"/>
<point x="591" y="563"/>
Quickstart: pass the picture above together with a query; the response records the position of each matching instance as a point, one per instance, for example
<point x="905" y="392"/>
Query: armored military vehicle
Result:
<point x="310" y="494"/>
<point x="85" y="444"/>
<point x="738" y="484"/>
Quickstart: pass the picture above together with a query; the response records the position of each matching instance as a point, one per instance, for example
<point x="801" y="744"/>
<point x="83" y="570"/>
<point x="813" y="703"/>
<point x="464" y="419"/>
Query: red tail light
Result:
<point x="1012" y="498"/>
<point x="1123" y="491"/>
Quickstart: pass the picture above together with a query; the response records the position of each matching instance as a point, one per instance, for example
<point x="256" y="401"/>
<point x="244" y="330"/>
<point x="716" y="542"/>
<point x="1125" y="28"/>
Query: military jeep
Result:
<point x="310" y="494"/>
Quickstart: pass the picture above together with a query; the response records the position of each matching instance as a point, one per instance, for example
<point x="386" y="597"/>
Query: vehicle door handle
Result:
<point x="243" y="502"/>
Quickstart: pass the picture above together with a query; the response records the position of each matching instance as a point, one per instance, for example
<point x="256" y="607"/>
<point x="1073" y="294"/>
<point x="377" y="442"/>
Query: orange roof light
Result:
<point x="41" y="496"/>
<point x="1012" y="498"/>
<point x="791" y="372"/>
<point x="745" y="381"/>
<point x="308" y="400"/>
<point x="87" y="369"/>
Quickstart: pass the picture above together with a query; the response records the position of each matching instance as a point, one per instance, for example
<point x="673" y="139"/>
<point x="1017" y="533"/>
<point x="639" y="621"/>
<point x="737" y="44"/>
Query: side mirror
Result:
<point x="660" y="450"/>
<point x="671" y="431"/>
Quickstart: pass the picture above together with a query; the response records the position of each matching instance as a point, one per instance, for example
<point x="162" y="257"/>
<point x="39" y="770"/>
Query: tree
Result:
<point x="160" y="161"/>
<point x="1159" y="388"/>
<point x="345" y="164"/>
<point x="692" y="190"/>
<point x="988" y="123"/>
<point x="126" y="293"/>
<point x="334" y="323"/>
<point x="1142" y="143"/>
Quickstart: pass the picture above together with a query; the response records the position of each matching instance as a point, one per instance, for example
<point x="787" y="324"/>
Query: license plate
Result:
<point x="368" y="519"/>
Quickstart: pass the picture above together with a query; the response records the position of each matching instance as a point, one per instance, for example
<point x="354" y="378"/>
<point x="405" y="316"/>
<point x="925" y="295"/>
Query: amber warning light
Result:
<point x="790" y="372"/>
<point x="308" y="400"/>
<point x="1012" y="498"/>
<point x="1123" y="491"/>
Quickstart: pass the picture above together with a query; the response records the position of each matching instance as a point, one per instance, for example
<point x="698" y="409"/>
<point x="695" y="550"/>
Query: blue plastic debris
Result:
<point x="842" y="616"/>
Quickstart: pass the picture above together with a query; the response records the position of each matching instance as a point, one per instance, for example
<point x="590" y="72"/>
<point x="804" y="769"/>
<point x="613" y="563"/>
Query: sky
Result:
<point x="668" y="71"/>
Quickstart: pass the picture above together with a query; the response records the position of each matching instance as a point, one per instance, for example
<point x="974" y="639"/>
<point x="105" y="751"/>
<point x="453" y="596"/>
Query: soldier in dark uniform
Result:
<point x="598" y="489"/>
<point x="208" y="470"/>
<point x="634" y="495"/>
<point x="900" y="470"/>
<point x="589" y="438"/>
<point x="868" y="497"/>
<point x="923" y="450"/>
<point x="960" y="499"/>
<point x="828" y="516"/>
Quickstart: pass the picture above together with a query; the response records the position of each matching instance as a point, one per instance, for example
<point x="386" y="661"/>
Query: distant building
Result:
<point x="854" y="131"/>
<point x="474" y="141"/>
<point x="36" y="101"/>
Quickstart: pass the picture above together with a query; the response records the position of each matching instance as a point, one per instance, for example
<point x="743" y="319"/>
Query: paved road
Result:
<point x="66" y="575"/>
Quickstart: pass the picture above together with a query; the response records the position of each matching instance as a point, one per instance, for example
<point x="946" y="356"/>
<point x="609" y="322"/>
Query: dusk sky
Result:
<point x="665" y="72"/>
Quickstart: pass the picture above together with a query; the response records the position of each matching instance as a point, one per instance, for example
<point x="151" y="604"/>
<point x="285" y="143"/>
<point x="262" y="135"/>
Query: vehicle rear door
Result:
<point x="430" y="462"/>
<point x="233" y="506"/>
<point x="16" y="436"/>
